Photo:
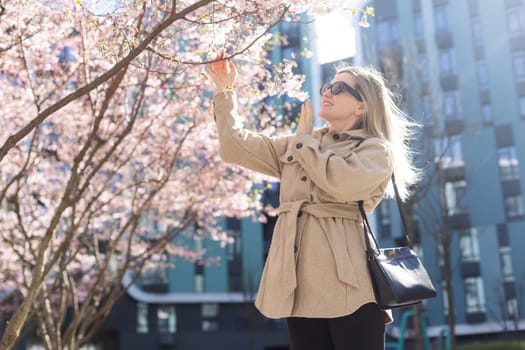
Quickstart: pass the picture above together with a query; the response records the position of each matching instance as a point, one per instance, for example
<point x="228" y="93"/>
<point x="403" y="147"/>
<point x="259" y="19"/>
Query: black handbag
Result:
<point x="398" y="275"/>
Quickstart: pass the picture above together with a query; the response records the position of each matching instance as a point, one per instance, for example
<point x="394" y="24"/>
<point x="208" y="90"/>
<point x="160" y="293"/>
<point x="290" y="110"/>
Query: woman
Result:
<point x="316" y="274"/>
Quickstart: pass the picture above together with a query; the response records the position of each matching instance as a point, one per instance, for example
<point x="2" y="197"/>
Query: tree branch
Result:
<point x="16" y="137"/>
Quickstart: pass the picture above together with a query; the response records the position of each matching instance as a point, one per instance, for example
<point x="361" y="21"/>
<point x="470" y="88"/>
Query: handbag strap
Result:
<point x="367" y="227"/>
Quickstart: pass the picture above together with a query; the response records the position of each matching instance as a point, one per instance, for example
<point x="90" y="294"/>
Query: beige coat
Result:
<point x="316" y="266"/>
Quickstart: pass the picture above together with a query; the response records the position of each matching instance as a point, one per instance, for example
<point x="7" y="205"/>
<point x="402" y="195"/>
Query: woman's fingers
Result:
<point x="305" y="125"/>
<point x="231" y="67"/>
<point x="223" y="72"/>
<point x="308" y="117"/>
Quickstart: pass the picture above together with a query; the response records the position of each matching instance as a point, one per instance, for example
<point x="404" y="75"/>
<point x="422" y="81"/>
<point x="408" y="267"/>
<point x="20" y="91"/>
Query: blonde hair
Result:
<point x="384" y="119"/>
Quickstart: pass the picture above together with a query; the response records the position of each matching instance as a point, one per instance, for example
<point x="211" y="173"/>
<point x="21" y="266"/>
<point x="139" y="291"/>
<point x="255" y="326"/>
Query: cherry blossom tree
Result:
<point x="107" y="129"/>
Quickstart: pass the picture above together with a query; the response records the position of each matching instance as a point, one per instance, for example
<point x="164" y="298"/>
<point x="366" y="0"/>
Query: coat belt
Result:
<point x="345" y="268"/>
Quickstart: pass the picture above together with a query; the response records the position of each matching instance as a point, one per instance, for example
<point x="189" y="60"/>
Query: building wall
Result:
<point x="459" y="70"/>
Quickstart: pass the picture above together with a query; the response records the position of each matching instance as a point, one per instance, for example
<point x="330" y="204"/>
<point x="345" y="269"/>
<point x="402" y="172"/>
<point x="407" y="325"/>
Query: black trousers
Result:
<point x="362" y="330"/>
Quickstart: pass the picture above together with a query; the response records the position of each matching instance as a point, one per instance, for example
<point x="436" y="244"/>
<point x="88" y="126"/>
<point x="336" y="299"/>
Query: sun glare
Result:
<point x="335" y="38"/>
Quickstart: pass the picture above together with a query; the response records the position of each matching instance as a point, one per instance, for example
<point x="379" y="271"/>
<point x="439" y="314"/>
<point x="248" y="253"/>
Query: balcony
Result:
<point x="155" y="287"/>
<point x="510" y="290"/>
<point x="475" y="317"/>
<point x="386" y="231"/>
<point x="484" y="96"/>
<point x="449" y="82"/>
<point x="235" y="266"/>
<point x="512" y="3"/>
<point x="426" y="89"/>
<point x="517" y="43"/>
<point x="511" y="187"/>
<point x="421" y="45"/>
<point x="470" y="269"/>
<point x="454" y="173"/>
<point x="444" y="39"/>
<point x="520" y="87"/>
<point x="392" y="53"/>
<point x="454" y="126"/>
<point x="459" y="221"/>
<point x="479" y="52"/>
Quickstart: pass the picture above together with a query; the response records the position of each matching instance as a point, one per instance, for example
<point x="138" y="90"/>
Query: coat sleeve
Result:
<point x="352" y="177"/>
<point x="240" y="146"/>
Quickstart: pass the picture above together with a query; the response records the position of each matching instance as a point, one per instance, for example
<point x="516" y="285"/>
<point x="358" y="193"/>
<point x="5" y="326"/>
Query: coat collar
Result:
<point x="353" y="133"/>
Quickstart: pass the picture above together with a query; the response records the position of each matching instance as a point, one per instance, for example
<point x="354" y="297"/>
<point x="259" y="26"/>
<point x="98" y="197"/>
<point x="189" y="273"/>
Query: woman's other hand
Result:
<point x="223" y="73"/>
<point x="306" y="120"/>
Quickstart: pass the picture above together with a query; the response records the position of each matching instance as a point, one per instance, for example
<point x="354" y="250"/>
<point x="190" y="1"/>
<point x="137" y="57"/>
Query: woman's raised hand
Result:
<point x="306" y="120"/>
<point x="222" y="72"/>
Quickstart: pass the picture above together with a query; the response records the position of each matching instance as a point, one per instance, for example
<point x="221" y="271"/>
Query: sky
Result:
<point x="335" y="37"/>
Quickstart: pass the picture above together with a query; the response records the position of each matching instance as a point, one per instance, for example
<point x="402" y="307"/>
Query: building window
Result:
<point x="292" y="31"/>
<point x="508" y="163"/>
<point x="477" y="37"/>
<point x="210" y="325"/>
<point x="447" y="62"/>
<point x="384" y="219"/>
<point x="387" y="32"/>
<point x="426" y="103"/>
<point x="209" y="314"/>
<point x="482" y="74"/>
<point x="504" y="135"/>
<point x="503" y="235"/>
<point x="154" y="275"/>
<point x="486" y="114"/>
<point x="469" y="245"/>
<point x="142" y="318"/>
<point x="518" y="62"/>
<point x="456" y="195"/>
<point x="419" y="25"/>
<point x="441" y="18"/>
<point x="516" y="21"/>
<point x="474" y="295"/>
<point x="522" y="106"/>
<point x="210" y="310"/>
<point x="166" y="319"/>
<point x="512" y="309"/>
<point x="199" y="282"/>
<point x="506" y="264"/>
<point x="233" y="225"/>
<point x="384" y="212"/>
<point x="424" y="73"/>
<point x="448" y="151"/>
<point x="514" y="206"/>
<point x="452" y="105"/>
<point x="473" y="6"/>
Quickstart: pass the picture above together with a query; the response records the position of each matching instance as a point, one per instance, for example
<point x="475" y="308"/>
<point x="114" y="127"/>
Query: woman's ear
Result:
<point x="361" y="109"/>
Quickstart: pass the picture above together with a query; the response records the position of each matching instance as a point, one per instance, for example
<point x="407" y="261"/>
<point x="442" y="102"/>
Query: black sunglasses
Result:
<point x="338" y="87"/>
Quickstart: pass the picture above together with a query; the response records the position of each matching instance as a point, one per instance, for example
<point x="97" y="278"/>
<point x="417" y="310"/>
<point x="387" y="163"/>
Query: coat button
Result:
<point x="299" y="145"/>
<point x="336" y="137"/>
<point x="304" y="178"/>
<point x="290" y="158"/>
<point x="299" y="214"/>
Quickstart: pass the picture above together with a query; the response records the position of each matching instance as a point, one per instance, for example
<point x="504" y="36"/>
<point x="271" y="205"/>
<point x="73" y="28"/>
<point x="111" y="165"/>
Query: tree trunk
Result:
<point x="447" y="263"/>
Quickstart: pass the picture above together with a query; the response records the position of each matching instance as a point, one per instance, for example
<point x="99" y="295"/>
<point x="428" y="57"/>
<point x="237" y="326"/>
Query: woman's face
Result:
<point x="343" y="110"/>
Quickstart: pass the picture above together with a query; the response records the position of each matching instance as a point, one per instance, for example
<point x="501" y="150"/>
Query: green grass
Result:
<point x="515" y="345"/>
